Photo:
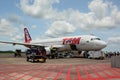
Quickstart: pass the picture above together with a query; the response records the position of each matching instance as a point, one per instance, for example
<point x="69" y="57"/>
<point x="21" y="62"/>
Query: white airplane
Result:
<point x="79" y="43"/>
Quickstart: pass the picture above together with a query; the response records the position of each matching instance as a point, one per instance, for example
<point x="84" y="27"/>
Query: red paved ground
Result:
<point x="59" y="72"/>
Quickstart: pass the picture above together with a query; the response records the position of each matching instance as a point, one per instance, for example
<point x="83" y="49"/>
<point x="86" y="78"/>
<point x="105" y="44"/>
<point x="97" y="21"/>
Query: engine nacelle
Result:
<point x="48" y="51"/>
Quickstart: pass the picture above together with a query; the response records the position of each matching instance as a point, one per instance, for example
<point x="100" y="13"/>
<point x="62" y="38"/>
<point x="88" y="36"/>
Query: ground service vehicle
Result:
<point x="35" y="54"/>
<point x="17" y="53"/>
<point x="96" y="55"/>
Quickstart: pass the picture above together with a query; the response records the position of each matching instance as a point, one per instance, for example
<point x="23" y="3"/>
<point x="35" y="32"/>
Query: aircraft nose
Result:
<point x="103" y="44"/>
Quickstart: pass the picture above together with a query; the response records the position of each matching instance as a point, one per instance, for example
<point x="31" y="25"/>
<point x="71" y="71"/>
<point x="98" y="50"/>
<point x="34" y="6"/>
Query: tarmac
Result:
<point x="57" y="69"/>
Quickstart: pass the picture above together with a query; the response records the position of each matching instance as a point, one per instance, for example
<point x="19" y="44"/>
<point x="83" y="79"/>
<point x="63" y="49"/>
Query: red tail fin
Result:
<point x="27" y="36"/>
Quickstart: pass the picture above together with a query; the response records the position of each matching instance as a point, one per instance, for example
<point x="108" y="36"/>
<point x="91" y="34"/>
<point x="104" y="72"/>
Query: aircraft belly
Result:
<point x="76" y="48"/>
<point x="69" y="47"/>
<point x="87" y="47"/>
<point x="72" y="47"/>
<point x="65" y="48"/>
<point x="84" y="47"/>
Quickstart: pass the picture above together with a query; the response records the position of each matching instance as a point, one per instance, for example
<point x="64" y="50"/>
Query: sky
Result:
<point x="58" y="18"/>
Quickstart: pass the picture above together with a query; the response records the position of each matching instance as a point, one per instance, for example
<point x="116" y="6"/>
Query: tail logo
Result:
<point x="27" y="36"/>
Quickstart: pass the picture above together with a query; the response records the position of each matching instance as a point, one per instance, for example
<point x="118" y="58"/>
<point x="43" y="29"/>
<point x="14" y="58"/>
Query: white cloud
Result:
<point x="113" y="44"/>
<point x="106" y="22"/>
<point x="38" y="8"/>
<point x="58" y="28"/>
<point x="115" y="40"/>
<point x="15" y="18"/>
<point x="99" y="8"/>
<point x="82" y="20"/>
<point x="18" y="37"/>
<point x="8" y="30"/>
<point x="101" y="15"/>
<point x="115" y="14"/>
<point x="33" y="26"/>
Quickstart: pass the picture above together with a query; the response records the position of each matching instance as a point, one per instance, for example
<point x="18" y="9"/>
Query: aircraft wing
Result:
<point x="32" y="44"/>
<point x="20" y="43"/>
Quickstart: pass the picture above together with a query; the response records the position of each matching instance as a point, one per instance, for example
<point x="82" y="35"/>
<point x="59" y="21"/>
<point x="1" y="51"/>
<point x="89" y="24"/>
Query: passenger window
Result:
<point x="95" y="39"/>
<point x="87" y="41"/>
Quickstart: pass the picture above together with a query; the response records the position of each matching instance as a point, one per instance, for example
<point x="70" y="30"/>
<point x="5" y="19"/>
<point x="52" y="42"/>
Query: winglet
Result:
<point x="27" y="36"/>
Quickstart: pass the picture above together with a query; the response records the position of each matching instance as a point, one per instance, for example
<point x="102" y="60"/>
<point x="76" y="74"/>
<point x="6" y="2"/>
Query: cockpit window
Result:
<point x="95" y="38"/>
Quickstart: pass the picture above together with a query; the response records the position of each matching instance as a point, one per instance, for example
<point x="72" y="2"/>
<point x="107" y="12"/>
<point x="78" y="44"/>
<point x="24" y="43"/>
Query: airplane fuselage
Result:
<point x="80" y="43"/>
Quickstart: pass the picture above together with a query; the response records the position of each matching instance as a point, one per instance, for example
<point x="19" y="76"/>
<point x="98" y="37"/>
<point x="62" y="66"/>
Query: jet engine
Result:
<point x="48" y="50"/>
